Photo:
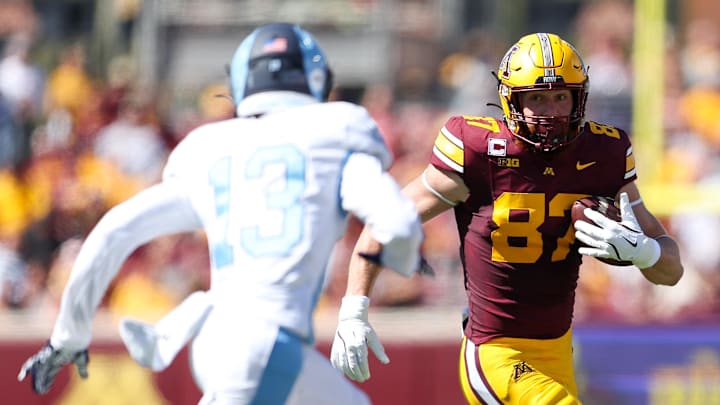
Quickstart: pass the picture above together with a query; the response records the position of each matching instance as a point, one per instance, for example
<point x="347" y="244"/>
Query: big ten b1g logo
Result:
<point x="696" y="383"/>
<point x="508" y="162"/>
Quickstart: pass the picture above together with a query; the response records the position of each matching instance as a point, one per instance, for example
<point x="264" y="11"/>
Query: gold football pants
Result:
<point x="519" y="371"/>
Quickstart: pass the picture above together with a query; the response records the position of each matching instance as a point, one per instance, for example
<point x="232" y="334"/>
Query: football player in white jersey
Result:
<point x="272" y="188"/>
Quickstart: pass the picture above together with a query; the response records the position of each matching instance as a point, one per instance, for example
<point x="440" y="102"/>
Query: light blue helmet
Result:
<point x="279" y="57"/>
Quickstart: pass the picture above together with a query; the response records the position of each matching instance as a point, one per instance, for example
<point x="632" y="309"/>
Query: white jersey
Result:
<point x="268" y="194"/>
<point x="272" y="194"/>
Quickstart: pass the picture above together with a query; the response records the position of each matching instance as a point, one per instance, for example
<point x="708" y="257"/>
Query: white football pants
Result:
<point x="260" y="364"/>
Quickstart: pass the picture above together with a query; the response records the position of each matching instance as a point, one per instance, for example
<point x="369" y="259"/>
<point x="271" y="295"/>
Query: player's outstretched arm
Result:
<point x="432" y="193"/>
<point x="159" y="210"/>
<point x="391" y="238"/>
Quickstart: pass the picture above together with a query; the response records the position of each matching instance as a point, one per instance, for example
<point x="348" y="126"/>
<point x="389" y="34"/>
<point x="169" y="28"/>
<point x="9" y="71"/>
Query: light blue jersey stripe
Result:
<point x="282" y="370"/>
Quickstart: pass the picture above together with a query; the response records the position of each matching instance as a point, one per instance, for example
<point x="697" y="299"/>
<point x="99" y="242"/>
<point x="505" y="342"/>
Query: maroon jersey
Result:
<point x="518" y="247"/>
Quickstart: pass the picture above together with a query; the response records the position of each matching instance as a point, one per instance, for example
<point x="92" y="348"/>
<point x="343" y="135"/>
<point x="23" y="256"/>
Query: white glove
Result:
<point x="47" y="362"/>
<point x="354" y="334"/>
<point x="624" y="241"/>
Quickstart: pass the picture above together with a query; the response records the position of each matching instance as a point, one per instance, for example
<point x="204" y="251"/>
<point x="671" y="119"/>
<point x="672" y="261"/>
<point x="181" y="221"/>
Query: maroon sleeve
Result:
<point x="448" y="150"/>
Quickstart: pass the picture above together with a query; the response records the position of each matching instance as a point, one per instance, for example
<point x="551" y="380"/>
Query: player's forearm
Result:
<point x="363" y="271"/>
<point x="158" y="210"/>
<point x="668" y="270"/>
<point x="95" y="266"/>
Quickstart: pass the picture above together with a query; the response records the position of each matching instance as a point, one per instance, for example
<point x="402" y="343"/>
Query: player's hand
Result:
<point x="47" y="362"/>
<point x="354" y="335"/>
<point x="624" y="241"/>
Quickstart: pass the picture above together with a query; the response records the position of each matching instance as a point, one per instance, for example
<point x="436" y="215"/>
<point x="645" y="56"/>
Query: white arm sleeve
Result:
<point x="159" y="210"/>
<point x="374" y="197"/>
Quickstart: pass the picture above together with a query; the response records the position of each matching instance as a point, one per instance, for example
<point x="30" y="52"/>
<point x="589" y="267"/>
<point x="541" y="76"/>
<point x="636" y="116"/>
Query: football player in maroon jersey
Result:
<point x="511" y="183"/>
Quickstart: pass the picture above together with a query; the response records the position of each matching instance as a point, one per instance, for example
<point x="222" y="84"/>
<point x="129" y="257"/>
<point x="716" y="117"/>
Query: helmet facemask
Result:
<point x="547" y="133"/>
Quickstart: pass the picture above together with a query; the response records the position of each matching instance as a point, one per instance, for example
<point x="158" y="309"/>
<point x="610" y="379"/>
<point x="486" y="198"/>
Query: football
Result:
<point x="603" y="205"/>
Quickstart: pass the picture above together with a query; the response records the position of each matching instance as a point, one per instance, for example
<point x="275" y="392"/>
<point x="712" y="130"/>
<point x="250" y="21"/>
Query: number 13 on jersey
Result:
<point x="281" y="168"/>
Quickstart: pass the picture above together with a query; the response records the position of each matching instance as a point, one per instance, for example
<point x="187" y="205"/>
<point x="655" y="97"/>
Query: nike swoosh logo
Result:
<point x="583" y="166"/>
<point x="631" y="242"/>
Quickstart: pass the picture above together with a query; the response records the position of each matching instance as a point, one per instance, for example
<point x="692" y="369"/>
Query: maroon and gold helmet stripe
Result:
<point x="547" y="54"/>
<point x="450" y="150"/>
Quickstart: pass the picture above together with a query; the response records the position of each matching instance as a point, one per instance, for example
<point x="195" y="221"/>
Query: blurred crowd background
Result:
<point x="94" y="95"/>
